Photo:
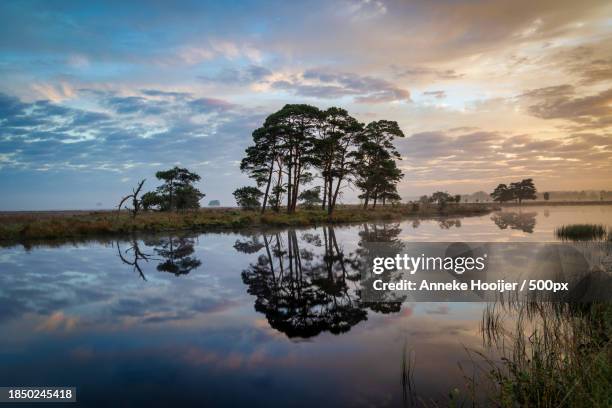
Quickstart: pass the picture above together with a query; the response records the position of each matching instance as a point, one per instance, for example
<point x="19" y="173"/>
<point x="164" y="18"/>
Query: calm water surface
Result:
<point x="250" y="319"/>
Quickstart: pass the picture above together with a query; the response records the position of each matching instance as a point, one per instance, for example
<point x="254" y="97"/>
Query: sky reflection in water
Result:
<point x="202" y="320"/>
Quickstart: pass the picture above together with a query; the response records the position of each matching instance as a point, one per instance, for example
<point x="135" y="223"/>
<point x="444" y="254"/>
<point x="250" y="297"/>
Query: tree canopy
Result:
<point x="176" y="193"/>
<point x="524" y="190"/>
<point x="502" y="193"/>
<point x="519" y="191"/>
<point x="311" y="197"/>
<point x="248" y="198"/>
<point x="301" y="143"/>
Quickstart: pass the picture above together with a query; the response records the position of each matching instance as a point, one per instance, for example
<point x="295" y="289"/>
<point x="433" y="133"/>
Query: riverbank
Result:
<point x="75" y="224"/>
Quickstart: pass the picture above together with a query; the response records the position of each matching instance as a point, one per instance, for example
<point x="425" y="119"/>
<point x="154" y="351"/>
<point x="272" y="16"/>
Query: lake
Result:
<point x="255" y="319"/>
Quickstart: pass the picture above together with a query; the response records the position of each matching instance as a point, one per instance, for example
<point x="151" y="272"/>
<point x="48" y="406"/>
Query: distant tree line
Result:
<point x="301" y="143"/>
<point x="584" y="195"/>
<point x="518" y="191"/>
<point x="440" y="197"/>
<point x="477" y="197"/>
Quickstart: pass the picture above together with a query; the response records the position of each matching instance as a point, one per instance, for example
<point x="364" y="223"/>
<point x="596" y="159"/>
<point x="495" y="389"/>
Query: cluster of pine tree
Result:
<point x="301" y="144"/>
<point x="519" y="191"/>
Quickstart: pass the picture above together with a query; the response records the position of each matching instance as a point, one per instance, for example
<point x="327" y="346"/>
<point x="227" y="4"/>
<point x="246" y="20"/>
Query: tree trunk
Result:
<point x="279" y="184"/>
<point x="366" y="199"/>
<point x="265" y="200"/>
<point x="296" y="185"/>
<point x="340" y="177"/>
<point x="324" y="192"/>
<point x="297" y="172"/>
<point x="289" y="181"/>
<point x="332" y="205"/>
<point x="330" y="184"/>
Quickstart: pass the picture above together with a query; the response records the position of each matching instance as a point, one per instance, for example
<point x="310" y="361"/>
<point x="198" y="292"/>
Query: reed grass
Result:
<point x="556" y="355"/>
<point x="409" y="397"/>
<point x="582" y="232"/>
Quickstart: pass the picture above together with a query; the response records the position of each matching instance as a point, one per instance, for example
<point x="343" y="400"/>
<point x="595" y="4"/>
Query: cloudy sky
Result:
<point x="97" y="95"/>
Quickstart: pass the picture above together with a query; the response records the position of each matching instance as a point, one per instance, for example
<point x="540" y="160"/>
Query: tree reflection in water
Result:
<point x="449" y="223"/>
<point x="303" y="290"/>
<point x="174" y="253"/>
<point x="177" y="254"/>
<point x="525" y="222"/>
<point x="248" y="246"/>
<point x="134" y="252"/>
<point x="371" y="236"/>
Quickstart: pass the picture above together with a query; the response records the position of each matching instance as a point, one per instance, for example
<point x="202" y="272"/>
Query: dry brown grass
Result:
<point x="74" y="224"/>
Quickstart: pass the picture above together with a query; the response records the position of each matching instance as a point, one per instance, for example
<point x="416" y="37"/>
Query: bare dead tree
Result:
<point x="135" y="200"/>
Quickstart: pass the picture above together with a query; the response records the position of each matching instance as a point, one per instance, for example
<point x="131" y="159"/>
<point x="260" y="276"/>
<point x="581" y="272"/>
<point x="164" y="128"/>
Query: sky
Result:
<point x="95" y="96"/>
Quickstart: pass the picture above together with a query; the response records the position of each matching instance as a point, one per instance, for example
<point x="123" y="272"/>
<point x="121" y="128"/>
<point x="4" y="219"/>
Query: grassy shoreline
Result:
<point x="83" y="224"/>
